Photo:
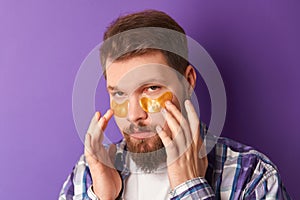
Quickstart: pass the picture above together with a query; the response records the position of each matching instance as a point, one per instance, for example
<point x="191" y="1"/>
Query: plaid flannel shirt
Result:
<point x="235" y="171"/>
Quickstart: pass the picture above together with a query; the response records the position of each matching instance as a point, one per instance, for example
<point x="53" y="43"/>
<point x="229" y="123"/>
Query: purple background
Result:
<point x="254" y="44"/>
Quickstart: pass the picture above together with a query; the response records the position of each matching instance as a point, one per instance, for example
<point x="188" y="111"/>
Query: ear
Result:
<point x="190" y="75"/>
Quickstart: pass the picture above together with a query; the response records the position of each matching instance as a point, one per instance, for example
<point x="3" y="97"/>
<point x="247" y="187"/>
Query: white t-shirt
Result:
<point x="144" y="186"/>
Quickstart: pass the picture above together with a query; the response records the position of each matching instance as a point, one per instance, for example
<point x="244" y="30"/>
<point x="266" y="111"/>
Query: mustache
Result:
<point x="132" y="128"/>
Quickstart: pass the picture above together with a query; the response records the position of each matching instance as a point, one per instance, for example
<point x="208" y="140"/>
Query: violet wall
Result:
<point x="254" y="44"/>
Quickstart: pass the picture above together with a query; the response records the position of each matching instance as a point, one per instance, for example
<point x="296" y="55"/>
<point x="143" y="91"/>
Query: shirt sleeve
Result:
<point x="196" y="188"/>
<point x="269" y="187"/>
<point x="91" y="193"/>
<point x="77" y="183"/>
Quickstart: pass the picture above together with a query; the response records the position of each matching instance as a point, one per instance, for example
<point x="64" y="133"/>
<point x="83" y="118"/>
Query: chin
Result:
<point x="148" y="154"/>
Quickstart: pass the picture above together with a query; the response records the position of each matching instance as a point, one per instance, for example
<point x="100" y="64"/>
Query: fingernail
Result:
<point x="168" y="102"/>
<point x="163" y="111"/>
<point x="97" y="115"/>
<point x="188" y="102"/>
<point x="158" y="129"/>
<point x="102" y="119"/>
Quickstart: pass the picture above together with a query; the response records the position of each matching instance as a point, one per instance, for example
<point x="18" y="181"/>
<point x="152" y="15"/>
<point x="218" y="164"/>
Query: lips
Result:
<point x="142" y="135"/>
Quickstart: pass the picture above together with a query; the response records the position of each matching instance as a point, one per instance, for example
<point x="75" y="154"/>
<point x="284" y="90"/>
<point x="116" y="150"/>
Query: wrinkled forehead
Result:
<point x="131" y="79"/>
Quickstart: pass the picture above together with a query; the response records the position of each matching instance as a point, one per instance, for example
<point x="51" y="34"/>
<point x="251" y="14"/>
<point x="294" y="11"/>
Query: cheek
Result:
<point x="178" y="103"/>
<point x="122" y="123"/>
<point x="180" y="91"/>
<point x="157" y="119"/>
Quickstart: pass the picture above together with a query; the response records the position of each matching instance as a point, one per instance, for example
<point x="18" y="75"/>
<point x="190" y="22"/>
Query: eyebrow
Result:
<point x="115" y="88"/>
<point x="112" y="88"/>
<point x="153" y="80"/>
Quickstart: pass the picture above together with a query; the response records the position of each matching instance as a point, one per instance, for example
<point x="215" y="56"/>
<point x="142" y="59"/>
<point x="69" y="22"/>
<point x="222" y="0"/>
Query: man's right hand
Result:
<point x="107" y="182"/>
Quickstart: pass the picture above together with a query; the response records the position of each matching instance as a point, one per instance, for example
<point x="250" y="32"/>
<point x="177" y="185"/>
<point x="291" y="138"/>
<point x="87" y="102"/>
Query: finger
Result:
<point x="93" y="122"/>
<point x="171" y="150"/>
<point x="202" y="151"/>
<point x="88" y="150"/>
<point x="174" y="110"/>
<point x="96" y="116"/>
<point x="97" y="133"/>
<point x="178" y="137"/>
<point x="195" y="128"/>
<point x="166" y="140"/>
<point x="107" y="116"/>
<point x="172" y="123"/>
<point x="193" y="120"/>
<point x="180" y="119"/>
<point x="97" y="127"/>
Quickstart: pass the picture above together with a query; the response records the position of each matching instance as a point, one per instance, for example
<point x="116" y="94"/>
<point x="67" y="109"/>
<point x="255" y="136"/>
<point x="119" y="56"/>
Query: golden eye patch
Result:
<point x="149" y="105"/>
<point x="120" y="110"/>
<point x="155" y="105"/>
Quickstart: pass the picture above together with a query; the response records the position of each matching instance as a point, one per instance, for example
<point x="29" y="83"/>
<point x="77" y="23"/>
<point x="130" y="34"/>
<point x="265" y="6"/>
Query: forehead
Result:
<point x="138" y="69"/>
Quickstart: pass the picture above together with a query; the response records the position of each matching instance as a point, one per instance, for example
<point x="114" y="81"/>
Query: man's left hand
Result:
<point x="183" y="145"/>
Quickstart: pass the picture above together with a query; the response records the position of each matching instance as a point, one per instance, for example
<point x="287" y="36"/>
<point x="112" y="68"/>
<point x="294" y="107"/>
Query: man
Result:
<point x="162" y="155"/>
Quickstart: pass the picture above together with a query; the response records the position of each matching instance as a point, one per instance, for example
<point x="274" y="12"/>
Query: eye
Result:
<point x="153" y="88"/>
<point x="118" y="94"/>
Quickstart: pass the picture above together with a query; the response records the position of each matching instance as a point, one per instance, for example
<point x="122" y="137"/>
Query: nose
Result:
<point x="135" y="111"/>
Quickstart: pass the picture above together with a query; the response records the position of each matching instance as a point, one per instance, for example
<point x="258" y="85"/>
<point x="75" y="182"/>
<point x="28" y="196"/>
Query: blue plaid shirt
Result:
<point x="235" y="171"/>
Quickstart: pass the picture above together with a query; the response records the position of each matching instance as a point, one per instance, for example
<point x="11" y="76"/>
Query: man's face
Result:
<point x="129" y="82"/>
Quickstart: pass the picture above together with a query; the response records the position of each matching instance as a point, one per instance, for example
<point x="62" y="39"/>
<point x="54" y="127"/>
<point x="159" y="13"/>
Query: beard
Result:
<point x="148" y="153"/>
